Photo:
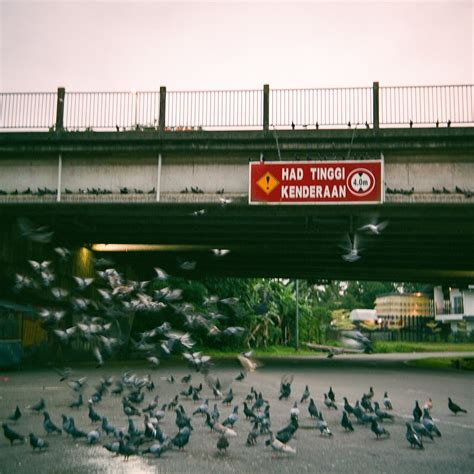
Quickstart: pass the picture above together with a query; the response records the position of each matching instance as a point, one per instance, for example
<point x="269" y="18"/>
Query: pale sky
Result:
<point x="119" y="46"/>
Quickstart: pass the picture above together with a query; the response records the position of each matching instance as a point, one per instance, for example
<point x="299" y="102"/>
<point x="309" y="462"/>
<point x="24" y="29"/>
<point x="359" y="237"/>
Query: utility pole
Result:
<point x="297" y="338"/>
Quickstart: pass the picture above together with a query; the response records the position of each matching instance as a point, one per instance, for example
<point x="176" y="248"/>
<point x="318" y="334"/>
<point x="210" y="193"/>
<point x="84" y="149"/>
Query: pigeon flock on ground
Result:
<point x="140" y="432"/>
<point x="94" y="307"/>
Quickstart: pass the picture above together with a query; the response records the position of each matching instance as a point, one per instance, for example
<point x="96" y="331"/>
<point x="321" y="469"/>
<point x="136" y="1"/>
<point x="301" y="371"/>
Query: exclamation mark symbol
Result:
<point x="268" y="182"/>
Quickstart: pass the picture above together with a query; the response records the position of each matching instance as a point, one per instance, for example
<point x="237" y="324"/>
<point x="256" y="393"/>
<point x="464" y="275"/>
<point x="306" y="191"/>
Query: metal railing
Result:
<point x="27" y="110"/>
<point x="239" y="109"/>
<point x="214" y="109"/>
<point x="427" y="105"/>
<point x="109" y="110"/>
<point x="324" y="107"/>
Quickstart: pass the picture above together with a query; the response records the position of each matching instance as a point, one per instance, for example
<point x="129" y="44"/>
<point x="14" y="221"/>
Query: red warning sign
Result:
<point x="316" y="182"/>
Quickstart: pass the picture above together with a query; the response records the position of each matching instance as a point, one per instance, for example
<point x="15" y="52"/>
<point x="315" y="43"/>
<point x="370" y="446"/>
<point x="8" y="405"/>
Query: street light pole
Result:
<point x="297" y="338"/>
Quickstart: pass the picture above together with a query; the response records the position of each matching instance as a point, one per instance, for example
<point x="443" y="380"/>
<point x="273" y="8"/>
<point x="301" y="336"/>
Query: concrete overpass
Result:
<point x="126" y="187"/>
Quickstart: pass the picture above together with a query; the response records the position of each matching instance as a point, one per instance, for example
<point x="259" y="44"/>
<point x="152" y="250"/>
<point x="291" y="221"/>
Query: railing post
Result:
<point x="266" y="107"/>
<point x="375" y="98"/>
<point x="162" y="120"/>
<point x="60" y="109"/>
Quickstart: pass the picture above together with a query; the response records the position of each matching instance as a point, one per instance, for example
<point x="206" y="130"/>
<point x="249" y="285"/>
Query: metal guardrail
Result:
<point x="214" y="109"/>
<point x="109" y="110"/>
<point x="427" y="105"/>
<point x="195" y="110"/>
<point x="324" y="107"/>
<point x="27" y="109"/>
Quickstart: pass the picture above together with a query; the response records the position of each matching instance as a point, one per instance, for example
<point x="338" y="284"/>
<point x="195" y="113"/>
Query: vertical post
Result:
<point x="162" y="109"/>
<point x="297" y="338"/>
<point x="266" y="107"/>
<point x="60" y="170"/>
<point x="60" y="109"/>
<point x="375" y="98"/>
<point x="158" y="179"/>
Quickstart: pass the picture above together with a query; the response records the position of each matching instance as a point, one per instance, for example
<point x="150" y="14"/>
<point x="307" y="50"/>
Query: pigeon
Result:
<point x="48" y="424"/>
<point x="421" y="429"/>
<point x="331" y="395"/>
<point x="112" y="447"/>
<point x="253" y="435"/>
<point x="182" y="438"/>
<point x="249" y="414"/>
<point x="127" y="450"/>
<point x="383" y="415"/>
<point x="345" y="422"/>
<point x="220" y="252"/>
<point x="247" y="363"/>
<point x="455" y="408"/>
<point x="202" y="409"/>
<point x="232" y="418"/>
<point x="286" y="434"/>
<point x="428" y="405"/>
<point x="107" y="427"/>
<point x="40" y="406"/>
<point x="12" y="435"/>
<point x="285" y="387"/>
<point x="292" y="125"/>
<point x="37" y="442"/>
<point x="157" y="449"/>
<point x="77" y="403"/>
<point x="16" y="415"/>
<point x="31" y="231"/>
<point x="93" y="437"/>
<point x="305" y="395"/>
<point x="240" y="377"/>
<point x="228" y="398"/>
<point x="417" y="413"/>
<point x="347" y="406"/>
<point x="323" y="426"/>
<point x="295" y="411"/>
<point x="93" y="415"/>
<point x="222" y="443"/>
<point x="186" y="379"/>
<point x="387" y="402"/>
<point x="378" y="430"/>
<point x="369" y="395"/>
<point x="278" y="446"/>
<point x="328" y="402"/>
<point x="412" y="437"/>
<point x="429" y="424"/>
<point x="313" y="409"/>
<point x="374" y="229"/>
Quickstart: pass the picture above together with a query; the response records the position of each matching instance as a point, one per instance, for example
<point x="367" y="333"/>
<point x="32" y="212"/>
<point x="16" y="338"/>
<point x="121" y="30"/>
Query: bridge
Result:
<point x="148" y="171"/>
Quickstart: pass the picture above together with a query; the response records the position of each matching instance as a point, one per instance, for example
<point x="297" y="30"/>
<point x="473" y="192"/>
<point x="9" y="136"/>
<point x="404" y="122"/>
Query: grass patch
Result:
<point x="383" y="347"/>
<point x="454" y="363"/>
<point x="380" y="347"/>
<point x="272" y="351"/>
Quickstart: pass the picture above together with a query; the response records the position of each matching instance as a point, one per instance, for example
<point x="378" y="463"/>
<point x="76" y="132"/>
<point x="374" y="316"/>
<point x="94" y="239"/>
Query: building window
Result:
<point x="457" y="305"/>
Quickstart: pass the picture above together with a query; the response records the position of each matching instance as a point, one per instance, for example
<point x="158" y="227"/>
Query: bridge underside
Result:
<point x="423" y="242"/>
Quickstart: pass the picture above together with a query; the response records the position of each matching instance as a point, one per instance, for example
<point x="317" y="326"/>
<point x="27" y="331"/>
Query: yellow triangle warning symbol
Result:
<point x="268" y="183"/>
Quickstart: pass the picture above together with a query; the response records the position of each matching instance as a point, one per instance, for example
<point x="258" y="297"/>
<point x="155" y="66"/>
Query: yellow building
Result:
<point x="393" y="308"/>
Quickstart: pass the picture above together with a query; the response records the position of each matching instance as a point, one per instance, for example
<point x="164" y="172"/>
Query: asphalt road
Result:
<point x="357" y="452"/>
